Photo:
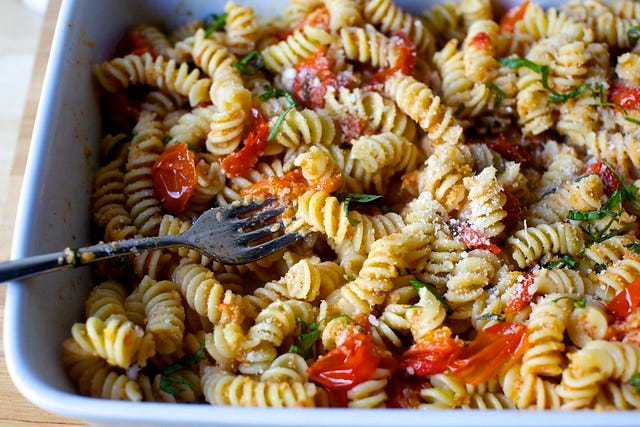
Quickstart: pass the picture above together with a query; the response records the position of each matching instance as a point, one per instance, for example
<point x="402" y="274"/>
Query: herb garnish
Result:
<point x="273" y="92"/>
<point x="417" y="284"/>
<point x="309" y="334"/>
<point x="577" y="302"/>
<point x="499" y="93"/>
<point x="635" y="381"/>
<point x="564" y="261"/>
<point x="543" y="70"/>
<point x="251" y="63"/>
<point x="459" y="110"/>
<point x="215" y="23"/>
<point x="347" y="198"/>
<point x="600" y="267"/>
<point x="598" y="91"/>
<point x="348" y="277"/>
<point x="635" y="247"/>
<point x="492" y="316"/>
<point x="633" y="35"/>
<point x="168" y="381"/>
<point x="276" y="125"/>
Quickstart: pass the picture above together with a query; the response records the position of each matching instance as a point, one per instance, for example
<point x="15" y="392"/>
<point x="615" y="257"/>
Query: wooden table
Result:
<point x="15" y="410"/>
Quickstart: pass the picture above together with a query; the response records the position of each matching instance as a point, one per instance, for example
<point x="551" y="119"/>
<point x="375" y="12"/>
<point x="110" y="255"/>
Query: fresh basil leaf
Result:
<point x="417" y="284"/>
<point x="353" y="221"/>
<point x="215" y="23"/>
<point x="276" y="125"/>
<point x="272" y="92"/>
<point x="635" y="381"/>
<point x="492" y="316"/>
<point x="632" y="120"/>
<point x="251" y="63"/>
<point x="600" y="267"/>
<point x="499" y="93"/>
<point x="635" y="247"/>
<point x="633" y="35"/>
<point x="309" y="334"/>
<point x="459" y="110"/>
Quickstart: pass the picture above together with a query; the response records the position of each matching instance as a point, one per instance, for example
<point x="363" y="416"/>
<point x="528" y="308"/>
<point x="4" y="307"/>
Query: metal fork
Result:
<point x="232" y="235"/>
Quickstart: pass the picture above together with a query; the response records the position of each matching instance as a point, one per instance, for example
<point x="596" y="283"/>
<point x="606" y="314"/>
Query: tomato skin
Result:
<point x="476" y="240"/>
<point x="509" y="151"/>
<point x="241" y="162"/>
<point x="351" y="363"/>
<point x="626" y="300"/>
<point x="492" y="348"/>
<point x="609" y="180"/>
<point x="405" y="62"/>
<point x="481" y="41"/>
<point x="403" y="391"/>
<point x="430" y="356"/>
<point x="625" y="96"/>
<point x="522" y="296"/>
<point x="174" y="177"/>
<point x="513" y="208"/>
<point x="313" y="76"/>
<point x="352" y="127"/>
<point x="513" y="15"/>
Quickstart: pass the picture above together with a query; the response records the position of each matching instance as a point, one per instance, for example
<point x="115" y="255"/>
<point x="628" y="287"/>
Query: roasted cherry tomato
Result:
<point x="403" y="391"/>
<point x="609" y="179"/>
<point x="513" y="15"/>
<point x="352" y="127"/>
<point x="313" y="76"/>
<point x="430" y="356"/>
<point x="491" y="349"/>
<point x="510" y="151"/>
<point x="351" y="363"/>
<point x="625" y="96"/>
<point x="134" y="43"/>
<point x="481" y="41"/>
<point x="513" y="208"/>
<point x="476" y="240"/>
<point x="626" y="300"/>
<point x="174" y="177"/>
<point x="405" y="61"/>
<point x="241" y="162"/>
<point x="521" y="296"/>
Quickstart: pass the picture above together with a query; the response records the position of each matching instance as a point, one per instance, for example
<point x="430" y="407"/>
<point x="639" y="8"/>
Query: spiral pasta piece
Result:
<point x="417" y="101"/>
<point x="224" y="388"/>
<point x="298" y="46"/>
<point x="526" y="246"/>
<point x="106" y="299"/>
<point x="242" y="28"/>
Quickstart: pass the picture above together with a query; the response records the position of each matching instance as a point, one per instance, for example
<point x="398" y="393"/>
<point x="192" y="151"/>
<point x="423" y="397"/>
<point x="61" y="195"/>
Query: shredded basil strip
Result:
<point x="635" y="381"/>
<point x="217" y="22"/>
<point x="565" y="260"/>
<point x="276" y="125"/>
<point x="632" y="120"/>
<point x="499" y="93"/>
<point x="633" y="35"/>
<point x="272" y="92"/>
<point x="347" y="198"/>
<point x="492" y="316"/>
<point x="459" y="110"/>
<point x="600" y="267"/>
<point x="309" y="334"/>
<point x="353" y="221"/>
<point x="167" y="380"/>
<point x="635" y="247"/>
<point x="348" y="277"/>
<point x="606" y="210"/>
<point x="543" y="70"/>
<point x="417" y="284"/>
<point x="629" y="193"/>
<point x="251" y="63"/>
<point x="577" y="302"/>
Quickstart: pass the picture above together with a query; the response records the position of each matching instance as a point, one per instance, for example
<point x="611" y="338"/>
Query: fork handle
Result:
<point x="71" y="258"/>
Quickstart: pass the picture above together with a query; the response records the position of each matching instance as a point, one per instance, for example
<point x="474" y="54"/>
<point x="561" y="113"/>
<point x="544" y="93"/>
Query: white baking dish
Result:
<point x="54" y="213"/>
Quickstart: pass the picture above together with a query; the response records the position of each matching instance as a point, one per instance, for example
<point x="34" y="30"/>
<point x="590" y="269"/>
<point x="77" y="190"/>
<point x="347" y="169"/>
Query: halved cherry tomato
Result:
<point x="430" y="356"/>
<point x="403" y="391"/>
<point x="481" y="41"/>
<point x="491" y="349"/>
<point x="513" y="15"/>
<point x="174" y="177"/>
<point x="313" y="76"/>
<point x="609" y="179"/>
<point x="352" y="127"/>
<point x="241" y="162"/>
<point x="476" y="240"/>
<point x="513" y="208"/>
<point x="521" y="296"/>
<point x="510" y="151"/>
<point x="625" y="96"/>
<point x="626" y="300"/>
<point x="351" y="363"/>
<point x="405" y="62"/>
